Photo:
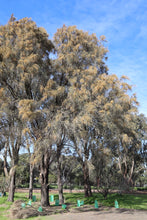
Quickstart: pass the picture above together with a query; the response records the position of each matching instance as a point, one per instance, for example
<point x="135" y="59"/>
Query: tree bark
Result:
<point x="131" y="173"/>
<point x="87" y="187"/>
<point x="70" y="184"/>
<point x="12" y="185"/>
<point x="5" y="162"/>
<point x="44" y="179"/>
<point x="60" y="187"/>
<point x="31" y="181"/>
<point x="12" y="174"/>
<point x="59" y="173"/>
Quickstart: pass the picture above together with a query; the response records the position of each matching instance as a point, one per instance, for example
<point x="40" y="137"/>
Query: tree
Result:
<point x="120" y="125"/>
<point x="108" y="99"/>
<point x="58" y="139"/>
<point x="105" y="168"/>
<point x="29" y="144"/>
<point x="24" y="71"/>
<point x="12" y="128"/>
<point x="131" y="161"/>
<point x="71" y="171"/>
<point x="41" y="126"/>
<point x="1" y="166"/>
<point x="67" y="101"/>
<point x="22" y="171"/>
<point x="80" y="59"/>
<point x="43" y="153"/>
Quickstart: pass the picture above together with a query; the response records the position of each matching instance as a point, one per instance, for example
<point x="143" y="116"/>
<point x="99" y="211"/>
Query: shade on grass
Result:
<point x="125" y="201"/>
<point x="129" y="201"/>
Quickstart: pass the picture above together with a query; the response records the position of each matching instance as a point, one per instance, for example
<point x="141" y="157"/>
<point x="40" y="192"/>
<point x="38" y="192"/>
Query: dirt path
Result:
<point x="26" y="190"/>
<point x="111" y="214"/>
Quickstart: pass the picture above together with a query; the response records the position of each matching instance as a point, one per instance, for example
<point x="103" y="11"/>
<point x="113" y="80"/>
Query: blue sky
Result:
<point x="123" y="22"/>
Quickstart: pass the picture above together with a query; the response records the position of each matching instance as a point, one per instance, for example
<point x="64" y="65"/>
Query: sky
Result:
<point x="123" y="22"/>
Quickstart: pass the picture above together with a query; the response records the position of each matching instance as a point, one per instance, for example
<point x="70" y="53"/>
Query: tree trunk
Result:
<point x="60" y="188"/>
<point x="45" y="195"/>
<point x="12" y="175"/>
<point x="87" y="187"/>
<point x="59" y="173"/>
<point x="5" y="162"/>
<point x="31" y="181"/>
<point x="70" y="186"/>
<point x="12" y="185"/>
<point x="44" y="180"/>
<point x="97" y="182"/>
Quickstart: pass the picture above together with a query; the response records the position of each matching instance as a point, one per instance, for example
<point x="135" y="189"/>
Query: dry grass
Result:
<point x="17" y="212"/>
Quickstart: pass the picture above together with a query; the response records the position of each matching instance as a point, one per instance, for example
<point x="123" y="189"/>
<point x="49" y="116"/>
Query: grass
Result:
<point x="127" y="201"/>
<point x="4" y="207"/>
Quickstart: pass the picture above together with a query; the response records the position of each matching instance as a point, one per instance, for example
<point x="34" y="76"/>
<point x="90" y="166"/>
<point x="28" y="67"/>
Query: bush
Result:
<point x="141" y="188"/>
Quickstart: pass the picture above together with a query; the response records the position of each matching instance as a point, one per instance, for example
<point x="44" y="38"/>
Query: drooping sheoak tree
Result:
<point x="24" y="71"/>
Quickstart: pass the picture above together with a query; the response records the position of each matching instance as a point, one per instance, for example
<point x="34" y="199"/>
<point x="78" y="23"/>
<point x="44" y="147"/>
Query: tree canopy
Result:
<point x="66" y="106"/>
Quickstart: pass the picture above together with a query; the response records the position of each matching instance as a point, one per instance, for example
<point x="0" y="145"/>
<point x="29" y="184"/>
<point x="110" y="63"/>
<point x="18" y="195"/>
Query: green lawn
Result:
<point x="125" y="201"/>
<point x="4" y="207"/>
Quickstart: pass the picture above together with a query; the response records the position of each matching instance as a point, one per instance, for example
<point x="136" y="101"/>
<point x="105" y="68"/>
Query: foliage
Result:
<point x="4" y="183"/>
<point x="68" y="109"/>
<point x="23" y="170"/>
<point x="71" y="171"/>
<point x="1" y="167"/>
<point x="24" y="72"/>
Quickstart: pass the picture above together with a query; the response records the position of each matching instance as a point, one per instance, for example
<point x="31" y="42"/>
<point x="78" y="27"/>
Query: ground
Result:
<point x="111" y="214"/>
<point x="86" y="212"/>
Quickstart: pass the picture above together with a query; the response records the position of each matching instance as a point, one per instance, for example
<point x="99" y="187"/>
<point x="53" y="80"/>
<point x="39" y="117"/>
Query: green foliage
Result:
<point x="23" y="171"/>
<point x="52" y="179"/>
<point x="140" y="188"/>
